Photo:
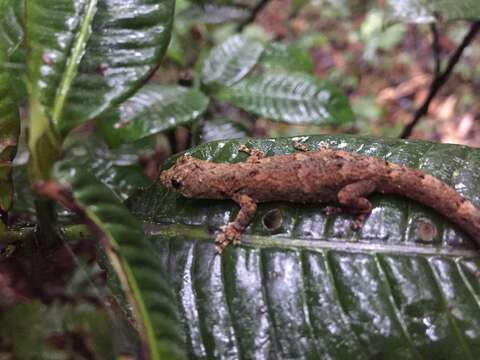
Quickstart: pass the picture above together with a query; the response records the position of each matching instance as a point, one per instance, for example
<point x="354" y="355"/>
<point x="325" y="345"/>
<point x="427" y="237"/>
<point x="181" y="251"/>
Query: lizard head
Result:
<point x="186" y="176"/>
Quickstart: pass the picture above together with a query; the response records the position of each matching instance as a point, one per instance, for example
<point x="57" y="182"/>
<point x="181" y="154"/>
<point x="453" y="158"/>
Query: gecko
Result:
<point x="322" y="176"/>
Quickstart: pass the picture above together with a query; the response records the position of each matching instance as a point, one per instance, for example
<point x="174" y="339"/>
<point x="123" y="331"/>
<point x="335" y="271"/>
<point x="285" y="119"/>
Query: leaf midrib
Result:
<point x="74" y="61"/>
<point x="200" y="233"/>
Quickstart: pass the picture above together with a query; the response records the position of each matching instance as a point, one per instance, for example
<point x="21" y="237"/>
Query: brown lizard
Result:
<point x="320" y="176"/>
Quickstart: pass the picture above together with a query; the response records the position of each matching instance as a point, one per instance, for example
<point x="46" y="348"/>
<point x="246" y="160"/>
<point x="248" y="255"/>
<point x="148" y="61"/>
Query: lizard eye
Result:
<point x="176" y="184"/>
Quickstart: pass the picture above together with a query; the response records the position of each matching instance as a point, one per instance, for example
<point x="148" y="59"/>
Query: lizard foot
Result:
<point x="300" y="146"/>
<point x="229" y="234"/>
<point x="331" y="210"/>
<point x="359" y="222"/>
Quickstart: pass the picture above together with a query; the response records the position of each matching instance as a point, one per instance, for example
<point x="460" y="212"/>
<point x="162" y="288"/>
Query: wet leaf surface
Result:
<point x="312" y="287"/>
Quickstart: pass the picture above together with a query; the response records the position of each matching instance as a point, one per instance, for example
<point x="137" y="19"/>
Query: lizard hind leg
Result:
<point x="232" y="232"/>
<point x="353" y="199"/>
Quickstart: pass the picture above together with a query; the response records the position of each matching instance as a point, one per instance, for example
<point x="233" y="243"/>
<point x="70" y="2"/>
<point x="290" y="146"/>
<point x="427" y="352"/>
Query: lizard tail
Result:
<point x="434" y="193"/>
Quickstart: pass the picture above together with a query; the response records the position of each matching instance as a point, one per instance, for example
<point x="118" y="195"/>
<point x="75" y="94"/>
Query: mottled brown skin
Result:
<point x="305" y="177"/>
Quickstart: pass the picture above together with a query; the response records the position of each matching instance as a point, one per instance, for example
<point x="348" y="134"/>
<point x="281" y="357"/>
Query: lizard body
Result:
<point x="305" y="177"/>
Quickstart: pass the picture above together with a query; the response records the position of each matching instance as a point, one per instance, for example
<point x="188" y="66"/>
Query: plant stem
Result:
<point x="70" y="233"/>
<point x="253" y="15"/>
<point x="440" y="80"/>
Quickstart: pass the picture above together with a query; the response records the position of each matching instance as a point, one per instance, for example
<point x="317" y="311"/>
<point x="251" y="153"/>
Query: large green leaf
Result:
<point x="293" y="98"/>
<point x="131" y="255"/>
<point x="87" y="55"/>
<point x="230" y="61"/>
<point x="427" y="11"/>
<point x="310" y="287"/>
<point x="153" y="109"/>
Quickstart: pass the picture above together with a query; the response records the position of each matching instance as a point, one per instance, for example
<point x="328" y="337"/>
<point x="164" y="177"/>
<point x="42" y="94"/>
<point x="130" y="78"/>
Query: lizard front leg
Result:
<point x="352" y="198"/>
<point x="233" y="231"/>
<point x="255" y="154"/>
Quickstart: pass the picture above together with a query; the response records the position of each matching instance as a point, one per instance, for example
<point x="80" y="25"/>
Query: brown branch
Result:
<point x="253" y="15"/>
<point x="440" y="80"/>
<point x="436" y="49"/>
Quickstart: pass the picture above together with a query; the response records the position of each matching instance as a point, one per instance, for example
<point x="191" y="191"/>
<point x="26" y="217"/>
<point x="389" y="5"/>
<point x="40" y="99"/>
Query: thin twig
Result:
<point x="439" y="81"/>
<point x="436" y="49"/>
<point x="253" y="15"/>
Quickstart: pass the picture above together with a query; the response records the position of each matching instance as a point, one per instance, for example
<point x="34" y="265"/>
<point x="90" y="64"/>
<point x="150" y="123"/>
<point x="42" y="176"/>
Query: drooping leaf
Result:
<point x="293" y="98"/>
<point x="405" y="286"/>
<point x="279" y="56"/>
<point x="230" y="61"/>
<point x="153" y="109"/>
<point x="428" y="11"/>
<point x="213" y="14"/>
<point x="131" y="255"/>
<point x="88" y="55"/>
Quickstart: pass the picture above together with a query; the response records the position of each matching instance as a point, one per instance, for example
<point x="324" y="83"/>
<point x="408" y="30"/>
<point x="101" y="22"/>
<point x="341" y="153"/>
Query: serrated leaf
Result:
<point x="88" y="55"/>
<point x="312" y="288"/>
<point x="213" y="14"/>
<point x="293" y="98"/>
<point x="230" y="61"/>
<point x="153" y="109"/>
<point x="428" y="11"/>
<point x="279" y="56"/>
<point x="131" y="254"/>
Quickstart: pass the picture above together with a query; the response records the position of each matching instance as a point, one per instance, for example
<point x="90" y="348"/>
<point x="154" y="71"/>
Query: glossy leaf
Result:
<point x="88" y="55"/>
<point x="153" y="109"/>
<point x="221" y="129"/>
<point x="428" y="11"/>
<point x="118" y="169"/>
<point x="213" y="14"/>
<point x="133" y="259"/>
<point x="293" y="98"/>
<point x="312" y="288"/>
<point x="279" y="56"/>
<point x="230" y="61"/>
<point x="11" y="36"/>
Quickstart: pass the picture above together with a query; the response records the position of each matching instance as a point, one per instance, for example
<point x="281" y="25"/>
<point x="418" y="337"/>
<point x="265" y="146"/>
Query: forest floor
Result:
<point x="387" y="70"/>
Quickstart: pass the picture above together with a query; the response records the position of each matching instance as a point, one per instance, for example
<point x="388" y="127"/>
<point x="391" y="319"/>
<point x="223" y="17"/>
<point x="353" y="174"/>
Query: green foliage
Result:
<point x="117" y="169"/>
<point x="104" y="54"/>
<point x="310" y="286"/>
<point x="11" y="36"/>
<point x="153" y="109"/>
<point x="302" y="285"/>
<point x="230" y="61"/>
<point x="35" y="331"/>
<point x="279" y="56"/>
<point x="132" y="256"/>
<point x="295" y="98"/>
<point x="429" y="11"/>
